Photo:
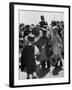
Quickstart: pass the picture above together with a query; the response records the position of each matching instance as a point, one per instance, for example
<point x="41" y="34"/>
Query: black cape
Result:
<point x="27" y="59"/>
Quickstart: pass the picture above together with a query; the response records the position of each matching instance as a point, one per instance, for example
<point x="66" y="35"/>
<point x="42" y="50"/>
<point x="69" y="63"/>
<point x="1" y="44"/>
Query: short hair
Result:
<point x="53" y="23"/>
<point x="42" y="17"/>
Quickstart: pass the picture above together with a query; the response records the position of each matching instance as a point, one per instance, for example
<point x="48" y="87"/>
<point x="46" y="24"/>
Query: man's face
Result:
<point x="42" y="18"/>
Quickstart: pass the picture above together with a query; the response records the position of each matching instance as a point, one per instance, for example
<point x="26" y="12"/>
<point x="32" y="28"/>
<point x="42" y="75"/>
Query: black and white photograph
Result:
<point x="41" y="44"/>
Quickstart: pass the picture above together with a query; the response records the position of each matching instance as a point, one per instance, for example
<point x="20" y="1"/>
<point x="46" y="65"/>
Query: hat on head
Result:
<point x="27" y="26"/>
<point x="31" y="37"/>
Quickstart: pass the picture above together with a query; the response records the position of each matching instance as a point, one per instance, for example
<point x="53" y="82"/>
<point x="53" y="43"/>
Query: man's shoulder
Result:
<point x="40" y="22"/>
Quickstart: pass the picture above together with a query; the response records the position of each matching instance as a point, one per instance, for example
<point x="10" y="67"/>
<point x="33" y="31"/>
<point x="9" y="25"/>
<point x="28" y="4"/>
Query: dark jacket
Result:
<point x="27" y="59"/>
<point x="47" y="42"/>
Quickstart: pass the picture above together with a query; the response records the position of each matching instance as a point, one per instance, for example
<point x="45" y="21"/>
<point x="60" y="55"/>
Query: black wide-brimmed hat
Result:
<point x="31" y="37"/>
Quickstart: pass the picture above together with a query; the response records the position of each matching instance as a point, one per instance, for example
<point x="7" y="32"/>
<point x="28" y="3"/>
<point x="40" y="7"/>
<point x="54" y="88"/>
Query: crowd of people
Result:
<point x="41" y="44"/>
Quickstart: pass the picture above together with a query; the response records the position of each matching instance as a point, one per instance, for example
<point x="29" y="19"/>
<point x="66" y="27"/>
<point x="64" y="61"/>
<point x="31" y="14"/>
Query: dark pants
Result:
<point x="43" y="64"/>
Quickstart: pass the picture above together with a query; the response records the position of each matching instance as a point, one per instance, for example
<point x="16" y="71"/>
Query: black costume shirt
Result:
<point x="42" y="23"/>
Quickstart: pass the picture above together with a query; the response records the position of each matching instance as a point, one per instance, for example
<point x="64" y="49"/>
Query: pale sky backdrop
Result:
<point x="33" y="17"/>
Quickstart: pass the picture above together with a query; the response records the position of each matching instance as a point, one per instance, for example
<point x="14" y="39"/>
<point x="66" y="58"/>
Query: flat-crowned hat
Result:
<point x="31" y="37"/>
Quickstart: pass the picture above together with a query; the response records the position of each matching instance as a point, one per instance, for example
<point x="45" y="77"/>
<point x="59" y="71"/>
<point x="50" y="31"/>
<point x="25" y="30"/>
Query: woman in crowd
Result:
<point x="56" y="45"/>
<point x="28" y="59"/>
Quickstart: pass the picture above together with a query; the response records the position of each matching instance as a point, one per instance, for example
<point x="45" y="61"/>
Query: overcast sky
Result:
<point x="33" y="17"/>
